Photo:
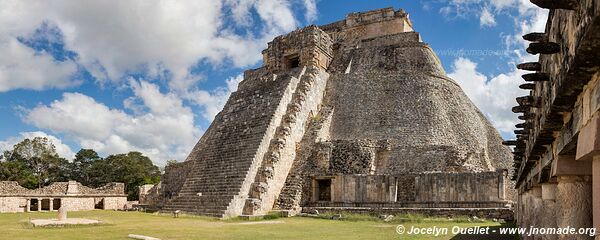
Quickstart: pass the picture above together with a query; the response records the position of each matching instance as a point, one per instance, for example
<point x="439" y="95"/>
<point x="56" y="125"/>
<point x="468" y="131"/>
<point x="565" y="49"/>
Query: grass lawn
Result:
<point x="117" y="225"/>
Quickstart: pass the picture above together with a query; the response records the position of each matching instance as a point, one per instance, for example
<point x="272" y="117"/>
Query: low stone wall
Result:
<point x="115" y="203"/>
<point x="488" y="213"/>
<point x="78" y="203"/>
<point x="475" y="187"/>
<point x="73" y="196"/>
<point x="363" y="188"/>
<point x="445" y="187"/>
<point x="12" y="204"/>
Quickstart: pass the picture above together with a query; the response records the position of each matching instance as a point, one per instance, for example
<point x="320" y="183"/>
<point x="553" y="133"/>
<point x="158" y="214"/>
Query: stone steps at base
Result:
<point x="210" y="205"/>
<point x="217" y="215"/>
<point x="195" y="210"/>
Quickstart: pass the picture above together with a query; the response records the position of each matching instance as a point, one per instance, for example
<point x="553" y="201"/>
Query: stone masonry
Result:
<point x="557" y="146"/>
<point x="356" y="113"/>
<point x="72" y="196"/>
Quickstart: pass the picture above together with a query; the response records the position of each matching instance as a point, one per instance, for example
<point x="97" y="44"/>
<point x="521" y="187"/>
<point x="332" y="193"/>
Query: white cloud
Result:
<point x="22" y="68"/>
<point x="159" y="39"/>
<point x="311" y="10"/>
<point x="114" y="38"/>
<point x="503" y="4"/>
<point x="484" y="8"/>
<point x="486" y="19"/>
<point x="163" y="129"/>
<point x="62" y="149"/>
<point x="213" y="101"/>
<point x="494" y="97"/>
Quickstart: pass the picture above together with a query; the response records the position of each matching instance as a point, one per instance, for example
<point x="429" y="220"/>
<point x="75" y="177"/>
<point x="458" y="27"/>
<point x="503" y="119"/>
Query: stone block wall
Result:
<point x="460" y="187"/>
<point x="423" y="113"/>
<point x="310" y="46"/>
<point x="363" y="188"/>
<point x="357" y="156"/>
<point x="114" y="203"/>
<point x="407" y="187"/>
<point x="12" y="204"/>
<point x="78" y="203"/>
<point x="417" y="188"/>
<point x="370" y="24"/>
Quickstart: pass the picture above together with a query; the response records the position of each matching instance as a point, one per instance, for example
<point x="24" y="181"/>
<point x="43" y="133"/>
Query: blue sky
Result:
<point x="149" y="76"/>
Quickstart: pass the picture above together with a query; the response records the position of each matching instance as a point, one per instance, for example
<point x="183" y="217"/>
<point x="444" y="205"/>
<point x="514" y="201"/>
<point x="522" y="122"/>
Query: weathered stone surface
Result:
<point x="62" y="213"/>
<point x="543" y="48"/>
<point x="71" y="195"/>
<point x="536" y="77"/>
<point x="562" y="138"/>
<point x="574" y="204"/>
<point x="360" y="104"/>
<point x="527" y="86"/>
<point x="536" y="37"/>
<point x="530" y="66"/>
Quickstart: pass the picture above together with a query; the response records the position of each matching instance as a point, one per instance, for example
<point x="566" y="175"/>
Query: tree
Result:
<point x="171" y="162"/>
<point x="133" y="169"/>
<point x="34" y="163"/>
<point x="82" y="166"/>
<point x="37" y="157"/>
<point x="17" y="171"/>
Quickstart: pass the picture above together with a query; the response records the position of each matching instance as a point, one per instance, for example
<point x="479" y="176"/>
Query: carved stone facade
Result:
<point x="556" y="153"/>
<point x="72" y="196"/>
<point x="357" y="112"/>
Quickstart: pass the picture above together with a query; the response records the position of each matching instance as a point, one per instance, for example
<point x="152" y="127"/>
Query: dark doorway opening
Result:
<point x="99" y="203"/>
<point x="56" y="204"/>
<point x="324" y="186"/>
<point x="33" y="205"/>
<point x="292" y="61"/>
<point x="46" y="205"/>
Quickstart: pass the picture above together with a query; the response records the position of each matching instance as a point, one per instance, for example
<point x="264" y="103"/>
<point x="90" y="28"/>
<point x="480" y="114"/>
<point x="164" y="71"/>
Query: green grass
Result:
<point x="117" y="225"/>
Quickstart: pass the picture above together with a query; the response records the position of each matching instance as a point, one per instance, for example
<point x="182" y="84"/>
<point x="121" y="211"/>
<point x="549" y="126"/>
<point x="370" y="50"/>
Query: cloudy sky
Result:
<point x="118" y="76"/>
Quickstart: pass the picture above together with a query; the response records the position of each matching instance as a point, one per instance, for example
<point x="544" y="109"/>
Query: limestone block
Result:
<point x="574" y="204"/>
<point x="62" y="214"/>
<point x="567" y="165"/>
<point x="588" y="140"/>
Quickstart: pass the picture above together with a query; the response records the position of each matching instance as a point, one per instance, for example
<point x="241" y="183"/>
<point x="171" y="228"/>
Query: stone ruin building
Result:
<point x="557" y="150"/>
<point x="356" y="115"/>
<point x="72" y="196"/>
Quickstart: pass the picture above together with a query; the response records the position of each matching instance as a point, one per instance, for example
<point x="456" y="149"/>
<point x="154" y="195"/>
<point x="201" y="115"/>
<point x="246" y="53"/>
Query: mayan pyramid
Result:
<point x="356" y="113"/>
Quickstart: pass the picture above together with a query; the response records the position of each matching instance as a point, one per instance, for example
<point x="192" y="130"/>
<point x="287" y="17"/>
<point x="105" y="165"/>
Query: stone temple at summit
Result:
<point x="355" y="115"/>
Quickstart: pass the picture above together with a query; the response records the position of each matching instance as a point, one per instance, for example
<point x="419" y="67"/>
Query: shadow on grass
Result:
<point x="493" y="234"/>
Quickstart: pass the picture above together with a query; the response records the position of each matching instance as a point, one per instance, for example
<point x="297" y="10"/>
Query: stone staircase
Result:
<point x="226" y="161"/>
<point x="291" y="195"/>
<point x="280" y="156"/>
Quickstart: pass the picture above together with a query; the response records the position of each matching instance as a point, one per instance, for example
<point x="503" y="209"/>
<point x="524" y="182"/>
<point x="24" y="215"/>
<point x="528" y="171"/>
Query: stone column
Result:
<point x="501" y="184"/>
<point x="574" y="204"/>
<point x="28" y="205"/>
<point x="536" y="209"/>
<point x="50" y="204"/>
<point x="596" y="193"/>
<point x="548" y="216"/>
<point x="526" y="209"/>
<point x="39" y="204"/>
<point x="519" y="208"/>
<point x="588" y="149"/>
